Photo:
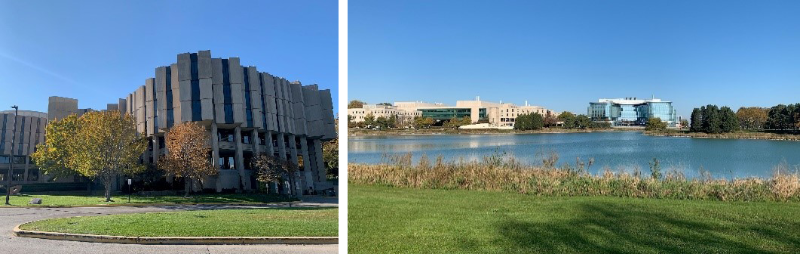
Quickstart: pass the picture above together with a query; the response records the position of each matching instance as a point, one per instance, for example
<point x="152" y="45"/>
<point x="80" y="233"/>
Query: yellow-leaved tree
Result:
<point x="187" y="153"/>
<point x="52" y="157"/>
<point x="98" y="145"/>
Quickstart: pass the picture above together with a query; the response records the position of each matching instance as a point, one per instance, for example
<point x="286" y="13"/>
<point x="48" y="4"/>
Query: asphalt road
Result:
<point x="11" y="217"/>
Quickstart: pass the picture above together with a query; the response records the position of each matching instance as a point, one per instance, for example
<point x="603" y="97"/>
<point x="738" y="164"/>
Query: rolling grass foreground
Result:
<point x="405" y="220"/>
<point x="228" y="222"/>
<point x="68" y="199"/>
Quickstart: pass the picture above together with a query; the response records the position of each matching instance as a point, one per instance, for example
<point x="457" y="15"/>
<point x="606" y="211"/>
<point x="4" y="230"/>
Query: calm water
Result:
<point x="724" y="158"/>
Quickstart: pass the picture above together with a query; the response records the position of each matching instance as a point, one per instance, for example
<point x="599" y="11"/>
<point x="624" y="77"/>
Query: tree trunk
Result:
<point x="188" y="186"/>
<point x="107" y="185"/>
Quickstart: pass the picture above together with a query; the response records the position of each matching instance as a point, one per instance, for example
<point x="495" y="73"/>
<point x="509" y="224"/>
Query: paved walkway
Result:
<point x="11" y="217"/>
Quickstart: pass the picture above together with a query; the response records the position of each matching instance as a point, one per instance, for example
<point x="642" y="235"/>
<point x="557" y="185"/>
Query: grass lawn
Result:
<point x="403" y="220"/>
<point x="80" y="199"/>
<point x="227" y="222"/>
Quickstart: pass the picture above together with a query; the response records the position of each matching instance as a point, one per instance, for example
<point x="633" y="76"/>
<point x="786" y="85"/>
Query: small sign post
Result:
<point x="129" y="190"/>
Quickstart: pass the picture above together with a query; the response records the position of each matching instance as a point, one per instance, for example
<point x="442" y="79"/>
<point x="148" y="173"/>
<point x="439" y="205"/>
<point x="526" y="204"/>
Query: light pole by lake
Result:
<point x="11" y="156"/>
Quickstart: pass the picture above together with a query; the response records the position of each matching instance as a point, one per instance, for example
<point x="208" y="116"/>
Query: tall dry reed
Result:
<point x="502" y="172"/>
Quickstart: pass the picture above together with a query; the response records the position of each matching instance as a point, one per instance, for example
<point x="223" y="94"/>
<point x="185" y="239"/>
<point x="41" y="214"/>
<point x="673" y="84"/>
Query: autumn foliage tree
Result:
<point x="187" y="153"/>
<point x="53" y="157"/>
<point x="98" y="145"/>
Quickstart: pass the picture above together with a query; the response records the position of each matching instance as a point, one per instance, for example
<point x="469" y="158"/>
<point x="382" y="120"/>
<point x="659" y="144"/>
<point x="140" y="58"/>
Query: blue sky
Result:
<point x="98" y="51"/>
<point x="563" y="54"/>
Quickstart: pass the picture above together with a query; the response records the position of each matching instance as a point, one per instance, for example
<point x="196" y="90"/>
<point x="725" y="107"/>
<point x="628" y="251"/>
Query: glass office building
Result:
<point x="450" y="113"/>
<point x="631" y="111"/>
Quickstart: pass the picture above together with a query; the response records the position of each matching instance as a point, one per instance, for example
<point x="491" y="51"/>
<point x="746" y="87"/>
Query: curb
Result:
<point x="173" y="240"/>
<point x="156" y="204"/>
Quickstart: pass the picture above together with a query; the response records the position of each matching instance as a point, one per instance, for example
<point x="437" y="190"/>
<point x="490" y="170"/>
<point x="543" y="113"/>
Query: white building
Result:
<point x="493" y="113"/>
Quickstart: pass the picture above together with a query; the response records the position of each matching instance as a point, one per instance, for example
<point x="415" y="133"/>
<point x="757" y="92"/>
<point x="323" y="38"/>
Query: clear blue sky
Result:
<point x="563" y="54"/>
<point x="99" y="51"/>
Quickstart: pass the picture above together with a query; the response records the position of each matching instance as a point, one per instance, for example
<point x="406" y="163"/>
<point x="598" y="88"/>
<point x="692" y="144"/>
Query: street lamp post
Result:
<point x="11" y="156"/>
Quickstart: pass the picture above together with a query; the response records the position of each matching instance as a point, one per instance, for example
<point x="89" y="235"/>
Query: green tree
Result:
<point x="384" y="104"/>
<point x="330" y="155"/>
<point x="712" y="121"/>
<point x="582" y="121"/>
<point x="423" y="122"/>
<point x="568" y="118"/>
<point x="655" y="124"/>
<point x="684" y="123"/>
<point x="697" y="120"/>
<point x="729" y="122"/>
<point x="369" y="120"/>
<point x="382" y="122"/>
<point x="355" y="104"/>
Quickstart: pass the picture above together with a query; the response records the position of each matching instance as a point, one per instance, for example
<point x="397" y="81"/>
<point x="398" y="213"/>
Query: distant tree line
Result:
<point x="535" y="121"/>
<point x="713" y="119"/>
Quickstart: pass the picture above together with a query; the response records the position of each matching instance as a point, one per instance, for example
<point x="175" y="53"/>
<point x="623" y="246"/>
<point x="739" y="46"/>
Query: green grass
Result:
<point x="66" y="199"/>
<point x="228" y="222"/>
<point x="405" y="220"/>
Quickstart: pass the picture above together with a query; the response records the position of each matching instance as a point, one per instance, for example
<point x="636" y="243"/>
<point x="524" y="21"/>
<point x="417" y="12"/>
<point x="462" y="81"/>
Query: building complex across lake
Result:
<point x="246" y="112"/>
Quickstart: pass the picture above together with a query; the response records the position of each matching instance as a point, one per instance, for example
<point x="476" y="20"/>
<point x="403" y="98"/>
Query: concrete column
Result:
<point x="268" y="139"/>
<point x="321" y="172"/>
<point x="215" y="155"/>
<point x="307" y="176"/>
<point x="256" y="142"/>
<point x="293" y="159"/>
<point x="273" y="187"/>
<point x="27" y="163"/>
<point x="282" y="146"/>
<point x="292" y="149"/>
<point x="243" y="183"/>
<point x="156" y="152"/>
<point x="282" y="152"/>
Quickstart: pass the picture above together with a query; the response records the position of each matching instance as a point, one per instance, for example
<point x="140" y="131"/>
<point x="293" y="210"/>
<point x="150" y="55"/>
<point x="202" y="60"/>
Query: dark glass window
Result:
<point x="245" y="139"/>
<point x="4" y="159"/>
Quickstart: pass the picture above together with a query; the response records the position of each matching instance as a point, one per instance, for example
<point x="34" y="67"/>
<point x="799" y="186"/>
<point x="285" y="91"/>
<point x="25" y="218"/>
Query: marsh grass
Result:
<point x="503" y="172"/>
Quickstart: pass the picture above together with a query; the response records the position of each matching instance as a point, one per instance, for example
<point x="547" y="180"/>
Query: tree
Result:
<point x="53" y="156"/>
<point x="273" y="169"/>
<point x="98" y="145"/>
<point x="655" y="124"/>
<point x="684" y="123"/>
<point x="423" y="122"/>
<point x="752" y="118"/>
<point x="384" y="104"/>
<point x="549" y="119"/>
<point x="532" y="121"/>
<point x="187" y="146"/>
<point x="712" y="122"/>
<point x="330" y="155"/>
<point x="697" y="120"/>
<point x="382" y="122"/>
<point x="568" y="118"/>
<point x="369" y="119"/>
<point x="582" y="121"/>
<point x="355" y="104"/>
<point x="729" y="122"/>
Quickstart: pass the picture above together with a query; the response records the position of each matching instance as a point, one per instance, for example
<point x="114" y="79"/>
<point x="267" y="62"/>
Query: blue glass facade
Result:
<point x="623" y="112"/>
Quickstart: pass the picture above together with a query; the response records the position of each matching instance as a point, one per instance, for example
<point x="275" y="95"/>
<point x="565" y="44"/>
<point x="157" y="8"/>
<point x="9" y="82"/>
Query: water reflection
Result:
<point x="618" y="151"/>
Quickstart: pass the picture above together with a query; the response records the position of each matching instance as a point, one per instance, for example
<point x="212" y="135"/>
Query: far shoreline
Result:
<point x="669" y="133"/>
<point x="436" y="131"/>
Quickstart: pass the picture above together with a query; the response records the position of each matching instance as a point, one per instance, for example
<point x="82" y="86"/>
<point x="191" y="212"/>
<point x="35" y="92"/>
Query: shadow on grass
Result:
<point x="608" y="228"/>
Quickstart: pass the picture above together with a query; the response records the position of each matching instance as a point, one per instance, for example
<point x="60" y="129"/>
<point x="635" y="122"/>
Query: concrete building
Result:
<point x="631" y="111"/>
<point x="30" y="128"/>
<point x="494" y="113"/>
<point x="246" y="112"/>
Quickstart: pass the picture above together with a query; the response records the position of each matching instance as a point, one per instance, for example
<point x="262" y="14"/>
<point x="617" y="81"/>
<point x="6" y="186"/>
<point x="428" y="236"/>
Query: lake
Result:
<point x="724" y="158"/>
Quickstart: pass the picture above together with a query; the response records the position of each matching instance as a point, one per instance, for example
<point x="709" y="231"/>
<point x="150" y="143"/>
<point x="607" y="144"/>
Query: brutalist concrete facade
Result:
<point x="247" y="112"/>
<point x="30" y="128"/>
